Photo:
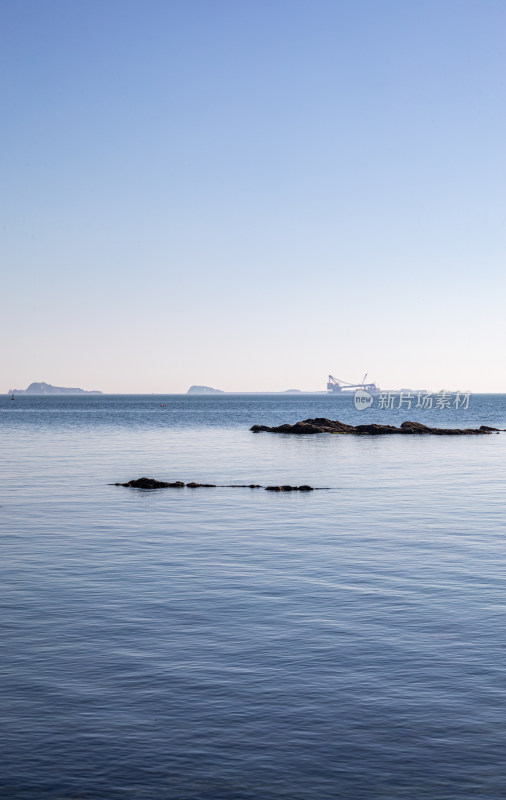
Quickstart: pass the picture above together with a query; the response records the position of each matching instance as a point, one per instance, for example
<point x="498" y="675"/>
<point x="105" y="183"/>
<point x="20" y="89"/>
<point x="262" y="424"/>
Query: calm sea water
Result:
<point x="233" y="644"/>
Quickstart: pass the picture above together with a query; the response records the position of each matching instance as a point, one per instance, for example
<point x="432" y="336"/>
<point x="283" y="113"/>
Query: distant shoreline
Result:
<point x="97" y="394"/>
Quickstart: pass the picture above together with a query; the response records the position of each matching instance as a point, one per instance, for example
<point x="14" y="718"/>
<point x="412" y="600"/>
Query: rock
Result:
<point x="377" y="430"/>
<point x="243" y="486"/>
<point x="304" y="488"/>
<point x="323" y="425"/>
<point x="414" y="427"/>
<point x="318" y="425"/>
<point x="151" y="483"/>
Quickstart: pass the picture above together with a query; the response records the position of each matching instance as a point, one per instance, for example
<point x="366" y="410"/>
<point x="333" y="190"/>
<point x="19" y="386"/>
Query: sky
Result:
<point x="252" y="195"/>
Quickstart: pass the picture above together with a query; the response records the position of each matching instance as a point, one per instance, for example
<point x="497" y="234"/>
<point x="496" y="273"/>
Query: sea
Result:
<point x="240" y="644"/>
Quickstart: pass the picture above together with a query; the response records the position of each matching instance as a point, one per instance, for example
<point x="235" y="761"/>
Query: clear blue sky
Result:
<point x="252" y="194"/>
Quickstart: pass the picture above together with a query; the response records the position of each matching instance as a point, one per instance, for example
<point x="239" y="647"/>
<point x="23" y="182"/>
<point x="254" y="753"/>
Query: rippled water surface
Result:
<point x="235" y="644"/>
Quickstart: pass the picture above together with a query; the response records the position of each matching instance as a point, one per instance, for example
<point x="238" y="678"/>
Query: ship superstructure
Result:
<point x="337" y="385"/>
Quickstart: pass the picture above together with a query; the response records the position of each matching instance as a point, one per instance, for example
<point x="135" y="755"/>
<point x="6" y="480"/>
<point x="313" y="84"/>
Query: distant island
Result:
<point x="203" y="390"/>
<point x="46" y="388"/>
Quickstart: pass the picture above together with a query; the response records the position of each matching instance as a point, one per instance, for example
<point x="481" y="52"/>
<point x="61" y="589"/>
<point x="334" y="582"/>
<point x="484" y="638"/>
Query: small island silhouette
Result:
<point x="46" y="388"/>
<point x="203" y="390"/>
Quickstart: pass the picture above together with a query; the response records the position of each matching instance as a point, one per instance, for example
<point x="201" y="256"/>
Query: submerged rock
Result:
<point x="151" y="483"/>
<point x="323" y="425"/>
<point x="303" y="488"/>
<point x="243" y="486"/>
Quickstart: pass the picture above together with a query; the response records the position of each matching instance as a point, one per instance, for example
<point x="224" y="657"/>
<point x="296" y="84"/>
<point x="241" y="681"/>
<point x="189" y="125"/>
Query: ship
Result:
<point x="337" y="386"/>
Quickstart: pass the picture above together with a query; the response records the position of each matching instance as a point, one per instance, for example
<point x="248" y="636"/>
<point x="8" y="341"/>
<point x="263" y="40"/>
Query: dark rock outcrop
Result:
<point x="243" y="486"/>
<point x="151" y="483"/>
<point x="323" y="425"/>
<point x="289" y="488"/>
